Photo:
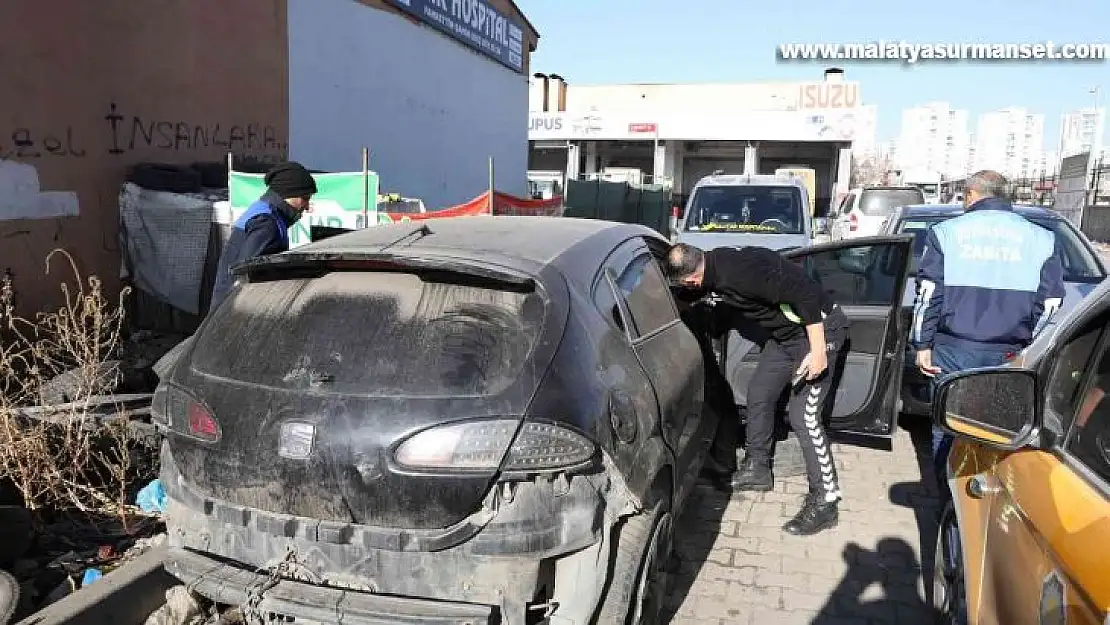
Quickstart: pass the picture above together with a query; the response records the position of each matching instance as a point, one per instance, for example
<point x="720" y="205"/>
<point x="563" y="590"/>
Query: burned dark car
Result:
<point x="475" y="420"/>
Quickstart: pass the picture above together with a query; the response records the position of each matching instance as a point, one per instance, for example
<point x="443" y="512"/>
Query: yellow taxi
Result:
<point x="1025" y="537"/>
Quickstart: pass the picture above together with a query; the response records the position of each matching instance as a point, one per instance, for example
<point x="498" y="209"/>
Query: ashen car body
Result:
<point x="474" y="420"/>
<point x="1083" y="271"/>
<point x="1026" y="536"/>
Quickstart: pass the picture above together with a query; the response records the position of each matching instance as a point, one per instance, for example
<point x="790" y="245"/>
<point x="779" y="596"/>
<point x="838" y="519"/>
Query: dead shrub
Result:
<point x="80" y="454"/>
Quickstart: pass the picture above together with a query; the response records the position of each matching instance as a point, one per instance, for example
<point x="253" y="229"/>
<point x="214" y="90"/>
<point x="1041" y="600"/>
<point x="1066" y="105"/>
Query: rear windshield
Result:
<point x="372" y="334"/>
<point x="1080" y="264"/>
<point x="740" y="208"/>
<point x="881" y="202"/>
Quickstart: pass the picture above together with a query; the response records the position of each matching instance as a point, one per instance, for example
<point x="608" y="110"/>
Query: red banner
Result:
<point x="504" y="204"/>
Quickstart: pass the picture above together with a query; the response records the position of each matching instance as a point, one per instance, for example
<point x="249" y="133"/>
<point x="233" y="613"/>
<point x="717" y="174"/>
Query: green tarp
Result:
<point x="648" y="205"/>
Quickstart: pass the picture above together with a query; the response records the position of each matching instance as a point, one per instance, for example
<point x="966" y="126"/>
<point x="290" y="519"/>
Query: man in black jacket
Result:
<point x="805" y="332"/>
<point x="264" y="228"/>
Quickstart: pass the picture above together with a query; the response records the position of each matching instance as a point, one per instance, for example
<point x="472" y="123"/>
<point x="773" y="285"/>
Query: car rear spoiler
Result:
<point x="319" y="233"/>
<point x="295" y="264"/>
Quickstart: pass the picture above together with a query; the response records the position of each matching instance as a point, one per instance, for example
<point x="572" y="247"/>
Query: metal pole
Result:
<point x="365" y="187"/>
<point x="230" y="167"/>
<point x="492" y="188"/>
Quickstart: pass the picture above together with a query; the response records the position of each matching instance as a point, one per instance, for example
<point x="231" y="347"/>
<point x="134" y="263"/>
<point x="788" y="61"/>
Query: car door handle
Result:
<point x="983" y="485"/>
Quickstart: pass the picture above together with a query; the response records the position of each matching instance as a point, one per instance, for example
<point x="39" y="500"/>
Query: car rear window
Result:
<point x="881" y="202"/>
<point x="373" y="334"/>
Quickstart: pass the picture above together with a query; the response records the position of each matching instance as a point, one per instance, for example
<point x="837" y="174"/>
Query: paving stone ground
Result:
<point x="739" y="568"/>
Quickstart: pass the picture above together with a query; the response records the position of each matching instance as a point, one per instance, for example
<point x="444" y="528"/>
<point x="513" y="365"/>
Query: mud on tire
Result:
<point x="631" y="558"/>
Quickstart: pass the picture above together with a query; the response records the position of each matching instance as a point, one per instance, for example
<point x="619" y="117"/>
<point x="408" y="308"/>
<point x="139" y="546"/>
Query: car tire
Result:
<point x="949" y="597"/>
<point x="637" y="578"/>
<point x="165" y="177"/>
<point x="9" y="597"/>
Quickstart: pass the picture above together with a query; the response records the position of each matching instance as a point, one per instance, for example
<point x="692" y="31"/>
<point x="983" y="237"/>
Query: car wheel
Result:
<point x="638" y="579"/>
<point x="9" y="597"/>
<point x="949" y="587"/>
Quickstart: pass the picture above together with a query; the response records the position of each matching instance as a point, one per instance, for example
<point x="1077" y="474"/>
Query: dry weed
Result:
<point x="76" y="455"/>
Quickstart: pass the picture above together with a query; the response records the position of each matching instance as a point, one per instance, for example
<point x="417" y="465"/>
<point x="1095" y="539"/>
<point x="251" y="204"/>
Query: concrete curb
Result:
<point x="126" y="596"/>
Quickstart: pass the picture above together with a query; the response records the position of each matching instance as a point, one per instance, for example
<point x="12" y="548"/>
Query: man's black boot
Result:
<point x="754" y="475"/>
<point x="815" y="516"/>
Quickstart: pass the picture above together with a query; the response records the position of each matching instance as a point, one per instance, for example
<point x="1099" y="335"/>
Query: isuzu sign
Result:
<point x="639" y="128"/>
<point x="828" y="95"/>
<point x="475" y="23"/>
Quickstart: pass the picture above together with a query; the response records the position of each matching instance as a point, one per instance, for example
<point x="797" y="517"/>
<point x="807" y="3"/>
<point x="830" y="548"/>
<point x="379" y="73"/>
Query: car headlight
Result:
<point x="482" y="445"/>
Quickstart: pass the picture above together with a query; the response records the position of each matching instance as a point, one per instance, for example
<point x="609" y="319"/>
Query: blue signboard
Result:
<point x="474" y="23"/>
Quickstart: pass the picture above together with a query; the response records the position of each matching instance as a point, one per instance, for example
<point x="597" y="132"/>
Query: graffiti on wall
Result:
<point x="136" y="132"/>
<point x="125" y="133"/>
<point x="114" y="134"/>
<point x="27" y="143"/>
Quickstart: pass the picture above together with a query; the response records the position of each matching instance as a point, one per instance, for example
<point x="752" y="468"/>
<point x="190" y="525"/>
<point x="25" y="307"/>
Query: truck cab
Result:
<point x="735" y="210"/>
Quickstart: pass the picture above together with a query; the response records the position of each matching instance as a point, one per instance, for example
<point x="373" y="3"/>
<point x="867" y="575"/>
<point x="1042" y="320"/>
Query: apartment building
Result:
<point x="1010" y="141"/>
<point x="934" y="137"/>
<point x="1082" y="131"/>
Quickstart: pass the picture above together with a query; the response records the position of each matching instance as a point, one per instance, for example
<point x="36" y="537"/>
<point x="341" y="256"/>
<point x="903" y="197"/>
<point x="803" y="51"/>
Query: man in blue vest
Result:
<point x="264" y="228"/>
<point x="988" y="280"/>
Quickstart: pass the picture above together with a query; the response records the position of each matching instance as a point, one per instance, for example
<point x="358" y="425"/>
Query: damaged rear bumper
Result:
<point x="501" y="562"/>
<point x="312" y="604"/>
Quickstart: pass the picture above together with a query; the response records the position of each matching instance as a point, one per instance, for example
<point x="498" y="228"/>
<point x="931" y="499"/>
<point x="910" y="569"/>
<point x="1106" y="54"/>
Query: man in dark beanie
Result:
<point x="264" y="228"/>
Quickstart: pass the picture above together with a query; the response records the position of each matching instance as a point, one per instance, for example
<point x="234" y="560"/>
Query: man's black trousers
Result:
<point x="777" y="364"/>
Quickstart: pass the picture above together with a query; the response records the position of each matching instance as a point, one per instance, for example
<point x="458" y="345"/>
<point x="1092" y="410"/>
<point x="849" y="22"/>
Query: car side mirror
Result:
<point x="820" y="225"/>
<point x="995" y="406"/>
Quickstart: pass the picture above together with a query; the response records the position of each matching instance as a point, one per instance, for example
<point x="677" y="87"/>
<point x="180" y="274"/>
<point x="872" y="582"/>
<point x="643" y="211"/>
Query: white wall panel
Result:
<point x="431" y="111"/>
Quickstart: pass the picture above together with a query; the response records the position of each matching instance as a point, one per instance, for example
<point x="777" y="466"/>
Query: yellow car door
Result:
<point x="1035" y="522"/>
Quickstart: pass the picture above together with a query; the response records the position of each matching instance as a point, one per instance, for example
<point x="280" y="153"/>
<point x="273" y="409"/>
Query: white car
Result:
<point x="863" y="211"/>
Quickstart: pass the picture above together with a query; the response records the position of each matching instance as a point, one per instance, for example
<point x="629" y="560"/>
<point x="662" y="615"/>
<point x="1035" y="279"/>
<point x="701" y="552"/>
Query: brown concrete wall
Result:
<point x="90" y="88"/>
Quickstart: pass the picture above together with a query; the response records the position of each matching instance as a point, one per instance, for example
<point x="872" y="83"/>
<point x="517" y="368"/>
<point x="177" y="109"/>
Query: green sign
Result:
<point x="338" y="202"/>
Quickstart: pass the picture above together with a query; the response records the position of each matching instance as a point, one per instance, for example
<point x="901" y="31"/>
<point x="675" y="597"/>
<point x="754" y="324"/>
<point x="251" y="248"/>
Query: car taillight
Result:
<point x="483" y="445"/>
<point x="853" y="222"/>
<point x="202" y="424"/>
<point x="174" y="408"/>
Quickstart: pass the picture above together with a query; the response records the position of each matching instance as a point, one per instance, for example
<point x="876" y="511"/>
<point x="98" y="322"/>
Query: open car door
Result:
<point x="867" y="277"/>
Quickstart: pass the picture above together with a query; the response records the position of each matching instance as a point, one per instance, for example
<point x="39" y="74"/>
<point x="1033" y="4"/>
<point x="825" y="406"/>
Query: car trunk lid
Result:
<point x="309" y="382"/>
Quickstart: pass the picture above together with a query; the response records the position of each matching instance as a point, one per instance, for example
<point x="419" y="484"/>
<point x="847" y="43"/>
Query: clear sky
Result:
<point x="619" y="41"/>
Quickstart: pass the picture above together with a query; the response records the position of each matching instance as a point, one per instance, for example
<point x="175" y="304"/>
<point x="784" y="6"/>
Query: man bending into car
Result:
<point x="987" y="280"/>
<point x="806" y="332"/>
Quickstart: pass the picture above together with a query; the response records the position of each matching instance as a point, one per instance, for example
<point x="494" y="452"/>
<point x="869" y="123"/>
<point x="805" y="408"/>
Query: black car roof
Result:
<point x="952" y="210"/>
<point x="576" y="246"/>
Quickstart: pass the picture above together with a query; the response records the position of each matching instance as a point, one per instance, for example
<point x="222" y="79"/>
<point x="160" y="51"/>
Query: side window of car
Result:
<point x="1089" y="437"/>
<point x="647" y="295"/>
<point x="866" y="275"/>
<point x="1065" y="382"/>
<point x="606" y="302"/>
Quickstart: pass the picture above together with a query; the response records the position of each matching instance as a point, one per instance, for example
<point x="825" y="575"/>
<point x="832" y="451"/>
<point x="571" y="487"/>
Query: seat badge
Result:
<point x="296" y="440"/>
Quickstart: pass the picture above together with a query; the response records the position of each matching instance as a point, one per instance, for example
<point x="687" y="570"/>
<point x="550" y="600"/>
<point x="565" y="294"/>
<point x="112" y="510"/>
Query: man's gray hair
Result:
<point x="988" y="183"/>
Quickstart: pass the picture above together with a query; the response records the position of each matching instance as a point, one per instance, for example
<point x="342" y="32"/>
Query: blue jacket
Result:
<point x="261" y="230"/>
<point x="987" y="279"/>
